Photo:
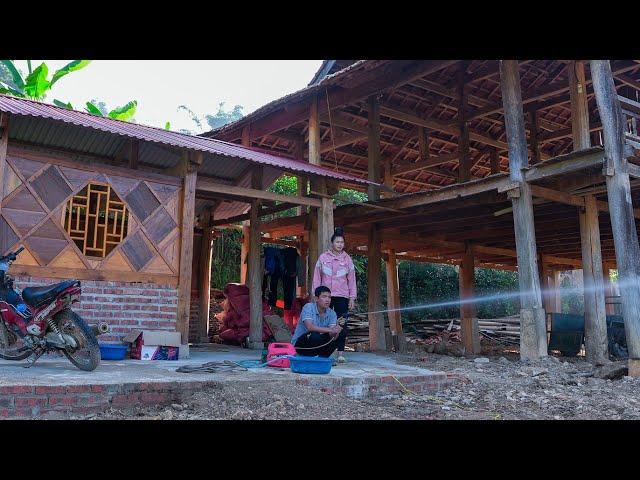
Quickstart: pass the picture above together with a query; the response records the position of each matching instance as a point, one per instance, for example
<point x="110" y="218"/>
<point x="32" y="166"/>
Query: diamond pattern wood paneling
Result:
<point x="141" y="201"/>
<point x="51" y="187"/>
<point x="136" y="250"/>
<point x="11" y="181"/>
<point x="163" y="192"/>
<point x="23" y="211"/>
<point x="8" y="237"/>
<point x="47" y="241"/>
<point x="159" y="225"/>
<point x="26" y="167"/>
<point x="77" y="178"/>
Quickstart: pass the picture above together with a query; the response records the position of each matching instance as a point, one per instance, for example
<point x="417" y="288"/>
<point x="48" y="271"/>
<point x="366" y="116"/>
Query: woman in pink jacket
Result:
<point x="334" y="269"/>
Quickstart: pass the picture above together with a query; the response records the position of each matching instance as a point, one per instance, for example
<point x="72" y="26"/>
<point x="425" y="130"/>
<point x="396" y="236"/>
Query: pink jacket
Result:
<point x="336" y="272"/>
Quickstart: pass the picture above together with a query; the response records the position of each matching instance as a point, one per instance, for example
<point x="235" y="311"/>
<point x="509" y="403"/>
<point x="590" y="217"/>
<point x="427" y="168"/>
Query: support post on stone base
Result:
<point x="377" y="340"/>
<point x="206" y="257"/>
<point x="468" y="322"/>
<point x="398" y="339"/>
<point x="255" y="272"/>
<point x="623" y="225"/>
<point x="533" y="334"/>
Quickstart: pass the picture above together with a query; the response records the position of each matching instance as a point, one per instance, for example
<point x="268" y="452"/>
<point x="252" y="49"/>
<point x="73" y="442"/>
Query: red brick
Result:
<point x="30" y="401"/>
<point x="78" y="388"/>
<point x="16" y="389"/>
<point x="5" y="412"/>
<point x="63" y="399"/>
<point x="154" y="397"/>
<point x="124" y="399"/>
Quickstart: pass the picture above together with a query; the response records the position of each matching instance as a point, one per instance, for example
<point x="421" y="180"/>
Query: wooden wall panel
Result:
<point x="51" y="187"/>
<point x="142" y="201"/>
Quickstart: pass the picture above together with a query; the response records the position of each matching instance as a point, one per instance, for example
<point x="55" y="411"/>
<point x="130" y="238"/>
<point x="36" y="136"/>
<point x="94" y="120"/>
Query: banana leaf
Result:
<point x="70" y="67"/>
<point x="18" y="83"/>
<point x="91" y="108"/>
<point x="68" y="105"/>
<point x="167" y="126"/>
<point x="37" y="83"/>
<point x="125" y="112"/>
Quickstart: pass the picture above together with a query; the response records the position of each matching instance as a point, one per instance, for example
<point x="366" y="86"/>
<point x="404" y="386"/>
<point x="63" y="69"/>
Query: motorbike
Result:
<point x="40" y="320"/>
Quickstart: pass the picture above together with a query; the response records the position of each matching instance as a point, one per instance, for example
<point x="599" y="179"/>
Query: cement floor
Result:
<point x="54" y="370"/>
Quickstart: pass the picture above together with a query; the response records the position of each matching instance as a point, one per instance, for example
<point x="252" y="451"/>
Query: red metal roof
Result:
<point x="20" y="106"/>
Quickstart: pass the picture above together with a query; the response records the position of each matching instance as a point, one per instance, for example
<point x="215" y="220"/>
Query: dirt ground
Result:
<point x="499" y="387"/>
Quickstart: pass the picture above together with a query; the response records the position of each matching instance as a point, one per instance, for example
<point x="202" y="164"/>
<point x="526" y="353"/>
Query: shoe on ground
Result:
<point x="341" y="359"/>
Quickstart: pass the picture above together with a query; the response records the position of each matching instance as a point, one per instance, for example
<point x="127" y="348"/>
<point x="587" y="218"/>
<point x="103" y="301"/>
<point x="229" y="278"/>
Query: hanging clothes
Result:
<point x="281" y="265"/>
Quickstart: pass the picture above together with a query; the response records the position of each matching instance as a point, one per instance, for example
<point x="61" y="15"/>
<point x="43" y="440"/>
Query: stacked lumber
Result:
<point x="428" y="330"/>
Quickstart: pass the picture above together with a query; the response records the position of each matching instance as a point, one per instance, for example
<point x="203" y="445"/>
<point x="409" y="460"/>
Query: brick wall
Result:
<point x="124" y="306"/>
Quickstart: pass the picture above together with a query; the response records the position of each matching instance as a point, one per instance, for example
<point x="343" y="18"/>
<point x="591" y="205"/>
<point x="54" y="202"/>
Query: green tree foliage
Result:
<point x="37" y="84"/>
<point x="212" y="120"/>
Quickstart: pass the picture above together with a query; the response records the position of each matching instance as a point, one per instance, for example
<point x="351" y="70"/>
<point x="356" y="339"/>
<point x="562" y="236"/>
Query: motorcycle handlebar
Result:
<point x="12" y="256"/>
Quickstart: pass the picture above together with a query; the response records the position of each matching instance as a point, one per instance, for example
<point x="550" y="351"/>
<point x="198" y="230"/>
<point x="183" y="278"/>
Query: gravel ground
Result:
<point x="498" y="388"/>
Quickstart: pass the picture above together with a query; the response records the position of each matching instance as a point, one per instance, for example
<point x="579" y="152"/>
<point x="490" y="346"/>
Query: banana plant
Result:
<point x="36" y="85"/>
<point x="124" y="112"/>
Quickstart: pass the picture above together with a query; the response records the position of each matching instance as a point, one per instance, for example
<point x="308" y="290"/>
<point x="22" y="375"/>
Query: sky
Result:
<point x="160" y="86"/>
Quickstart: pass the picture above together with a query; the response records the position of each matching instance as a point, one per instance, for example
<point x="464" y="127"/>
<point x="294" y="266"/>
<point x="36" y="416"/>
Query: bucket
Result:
<point x="276" y="350"/>
<point x="318" y="365"/>
<point x="112" y="351"/>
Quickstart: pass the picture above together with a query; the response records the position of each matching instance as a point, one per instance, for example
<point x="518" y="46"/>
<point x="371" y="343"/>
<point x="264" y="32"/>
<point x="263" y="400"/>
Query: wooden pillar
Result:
<point x="579" y="107"/>
<point x="255" y="272"/>
<point x="423" y="143"/>
<point x="533" y="338"/>
<point x="610" y="308"/>
<point x="393" y="303"/>
<point x="186" y="245"/>
<point x="373" y="147"/>
<point x="377" y="339"/>
<point x="316" y="185"/>
<point x="206" y="256"/>
<point x="4" y="142"/>
<point x="620" y="206"/>
<point x="495" y="161"/>
<point x="298" y="154"/>
<point x="244" y="247"/>
<point x="464" y="169"/>
<point x="387" y="179"/>
<point x="134" y="149"/>
<point x="325" y="224"/>
<point x="557" y="298"/>
<point x="545" y="284"/>
<point x="595" y="321"/>
<point x="533" y="135"/>
<point x="468" y="322"/>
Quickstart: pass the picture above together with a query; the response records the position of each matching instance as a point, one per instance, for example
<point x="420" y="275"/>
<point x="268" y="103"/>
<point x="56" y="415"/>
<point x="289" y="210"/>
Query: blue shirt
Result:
<point x="310" y="312"/>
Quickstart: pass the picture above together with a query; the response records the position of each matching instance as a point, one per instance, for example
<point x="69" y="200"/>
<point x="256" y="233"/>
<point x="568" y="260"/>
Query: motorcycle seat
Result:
<point x="38" y="296"/>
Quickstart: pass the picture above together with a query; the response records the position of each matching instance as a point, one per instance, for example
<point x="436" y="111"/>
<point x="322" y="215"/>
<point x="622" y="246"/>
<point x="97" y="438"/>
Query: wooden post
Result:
<point x="374" y="294"/>
<point x="533" y="137"/>
<point x="393" y="303"/>
<point x="206" y="256"/>
<point x="595" y="321"/>
<point x="186" y="246"/>
<point x="373" y="147"/>
<point x="464" y="169"/>
<point x="4" y="142"/>
<point x="579" y="108"/>
<point x="545" y="284"/>
<point x="255" y="272"/>
<point x="325" y="224"/>
<point x="387" y="178"/>
<point x="623" y="225"/>
<point x="610" y="308"/>
<point x="495" y="161"/>
<point x="298" y="153"/>
<point x="533" y="337"/>
<point x="134" y="149"/>
<point x="423" y="143"/>
<point x="468" y="322"/>
<point x="246" y="233"/>
<point x="316" y="185"/>
<point x="557" y="298"/>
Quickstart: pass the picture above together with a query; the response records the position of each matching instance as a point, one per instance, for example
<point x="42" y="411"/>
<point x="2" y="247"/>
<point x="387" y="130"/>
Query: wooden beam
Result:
<point x="533" y="137"/>
<point x="533" y="338"/>
<point x="377" y="339"/>
<point x="595" y="320"/>
<point x="425" y="164"/>
<point x="579" y="106"/>
<point x="254" y="270"/>
<point x="393" y="301"/>
<point x="206" y="256"/>
<point x="565" y="164"/>
<point x="4" y="142"/>
<point x="246" y="216"/>
<point x="464" y="166"/>
<point x="495" y="161"/>
<point x="249" y="193"/>
<point x="621" y="209"/>
<point x="186" y="247"/>
<point x="373" y="147"/>
<point x="468" y="322"/>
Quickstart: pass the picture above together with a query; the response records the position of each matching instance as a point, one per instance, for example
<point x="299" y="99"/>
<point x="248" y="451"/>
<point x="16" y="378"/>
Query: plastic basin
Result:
<point x="318" y="365"/>
<point x="112" y="351"/>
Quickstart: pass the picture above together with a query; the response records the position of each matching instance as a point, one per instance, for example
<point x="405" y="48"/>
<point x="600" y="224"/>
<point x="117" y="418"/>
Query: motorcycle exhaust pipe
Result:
<point x="100" y="328"/>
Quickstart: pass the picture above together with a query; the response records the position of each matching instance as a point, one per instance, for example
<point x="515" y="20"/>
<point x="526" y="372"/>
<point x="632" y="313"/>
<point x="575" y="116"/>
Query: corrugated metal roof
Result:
<point x="30" y="108"/>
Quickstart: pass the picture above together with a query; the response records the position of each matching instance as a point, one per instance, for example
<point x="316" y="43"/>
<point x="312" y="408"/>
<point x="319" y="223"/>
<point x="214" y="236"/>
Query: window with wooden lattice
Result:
<point x="96" y="219"/>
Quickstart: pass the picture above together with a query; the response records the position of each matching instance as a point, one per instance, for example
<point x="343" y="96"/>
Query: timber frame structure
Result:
<point x="527" y="165"/>
<point x="55" y="162"/>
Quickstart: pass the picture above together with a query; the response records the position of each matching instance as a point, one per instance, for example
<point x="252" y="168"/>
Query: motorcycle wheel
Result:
<point x="12" y="351"/>
<point x="86" y="356"/>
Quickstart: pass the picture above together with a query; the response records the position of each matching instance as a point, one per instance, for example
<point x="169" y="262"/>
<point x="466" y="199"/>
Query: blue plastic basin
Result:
<point x="301" y="364"/>
<point x="112" y="351"/>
